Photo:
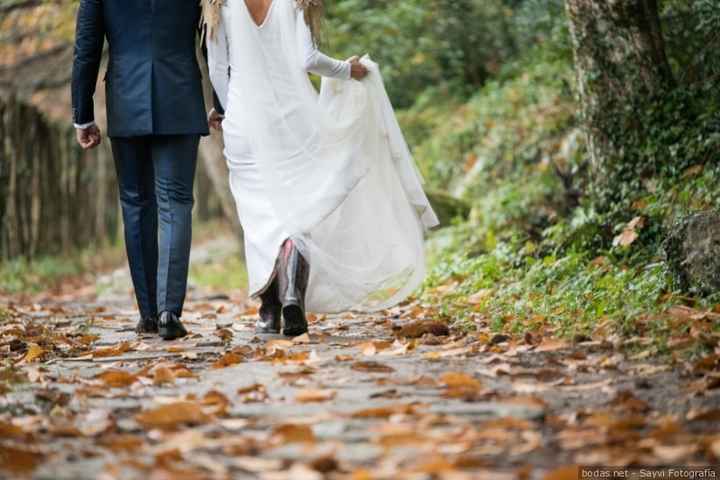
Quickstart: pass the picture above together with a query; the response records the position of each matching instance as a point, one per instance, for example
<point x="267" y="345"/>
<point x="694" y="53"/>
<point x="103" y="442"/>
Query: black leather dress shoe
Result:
<point x="170" y="327"/>
<point x="147" y="325"/>
<point x="293" y="281"/>
<point x="270" y="311"/>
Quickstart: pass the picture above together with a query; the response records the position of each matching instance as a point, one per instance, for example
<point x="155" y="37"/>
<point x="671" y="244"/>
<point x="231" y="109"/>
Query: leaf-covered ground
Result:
<point x="386" y="396"/>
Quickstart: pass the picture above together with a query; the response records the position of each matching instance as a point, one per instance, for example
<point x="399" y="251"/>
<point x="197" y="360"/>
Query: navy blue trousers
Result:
<point x="156" y="175"/>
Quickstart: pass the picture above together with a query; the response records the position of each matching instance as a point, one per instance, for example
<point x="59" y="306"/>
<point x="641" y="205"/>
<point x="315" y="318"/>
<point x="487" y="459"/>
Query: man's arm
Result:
<point x="89" y="39"/>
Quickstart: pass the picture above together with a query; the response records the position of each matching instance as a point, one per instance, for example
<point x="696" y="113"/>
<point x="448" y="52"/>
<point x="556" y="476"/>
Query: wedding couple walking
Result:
<point x="327" y="192"/>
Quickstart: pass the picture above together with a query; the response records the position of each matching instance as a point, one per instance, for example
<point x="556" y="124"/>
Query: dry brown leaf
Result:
<point x="163" y="375"/>
<point x="227" y="360"/>
<point x="628" y="401"/>
<point x="9" y="430"/>
<point x="460" y="380"/>
<point x="218" y="402"/>
<point x="570" y="472"/>
<point x="122" y="442"/>
<point x="116" y="378"/>
<point x="372" y="367"/>
<point x="674" y="454"/>
<point x="114" y="351"/>
<point x="385" y="412"/>
<point x="325" y="464"/>
<point x="173" y="414"/>
<point x="480" y="296"/>
<point x="629" y="234"/>
<point x="257" y="387"/>
<point x="552" y="345"/>
<point x="301" y="339"/>
<point x="434" y="466"/>
<point x="18" y="461"/>
<point x="225" y="334"/>
<point x="709" y="415"/>
<point x="34" y="352"/>
<point x="401" y="439"/>
<point x="420" y="328"/>
<point x="294" y="433"/>
<point x="314" y="396"/>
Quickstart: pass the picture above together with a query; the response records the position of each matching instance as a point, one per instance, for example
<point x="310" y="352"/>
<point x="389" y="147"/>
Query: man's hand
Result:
<point x="89" y="137"/>
<point x="358" y="71"/>
<point x="215" y="120"/>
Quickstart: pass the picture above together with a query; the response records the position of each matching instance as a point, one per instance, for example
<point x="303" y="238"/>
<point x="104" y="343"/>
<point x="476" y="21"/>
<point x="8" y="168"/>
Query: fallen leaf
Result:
<point x="9" y="430"/>
<point x="301" y="339"/>
<point x="227" y="360"/>
<point x="18" y="460"/>
<point x="173" y="414"/>
<point x="460" y="380"/>
<point x="122" y="442"/>
<point x="420" y="328"/>
<point x="674" y="454"/>
<point x="294" y="433"/>
<point x="551" y="345"/>
<point x="385" y="412"/>
<point x="628" y="401"/>
<point x="218" y="402"/>
<point x="480" y="296"/>
<point x="163" y="375"/>
<point x="570" y="472"/>
<point x="709" y="415"/>
<point x="314" y="396"/>
<point x="34" y="352"/>
<point x="325" y="464"/>
<point x="114" y="351"/>
<point x="629" y="234"/>
<point x="372" y="367"/>
<point x="116" y="378"/>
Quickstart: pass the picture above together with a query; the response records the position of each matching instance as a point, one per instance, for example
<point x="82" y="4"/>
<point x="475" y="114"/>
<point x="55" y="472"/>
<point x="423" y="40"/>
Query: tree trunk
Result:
<point x="621" y="63"/>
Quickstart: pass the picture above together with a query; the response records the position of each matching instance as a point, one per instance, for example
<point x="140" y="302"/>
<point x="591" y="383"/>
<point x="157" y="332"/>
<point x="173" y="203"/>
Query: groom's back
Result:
<point x="152" y="28"/>
<point x="153" y="79"/>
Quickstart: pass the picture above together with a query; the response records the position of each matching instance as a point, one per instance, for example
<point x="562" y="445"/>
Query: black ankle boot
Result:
<point x="293" y="281"/>
<point x="170" y="327"/>
<point x="147" y="325"/>
<point x="270" y="310"/>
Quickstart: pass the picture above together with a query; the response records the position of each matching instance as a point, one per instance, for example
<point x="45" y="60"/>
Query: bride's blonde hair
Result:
<point x="313" y="11"/>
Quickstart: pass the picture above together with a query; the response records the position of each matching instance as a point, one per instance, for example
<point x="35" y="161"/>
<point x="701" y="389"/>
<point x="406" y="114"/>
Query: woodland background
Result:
<point x="571" y="147"/>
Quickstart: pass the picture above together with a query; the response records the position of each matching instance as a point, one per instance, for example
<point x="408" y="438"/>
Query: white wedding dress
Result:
<point x="331" y="171"/>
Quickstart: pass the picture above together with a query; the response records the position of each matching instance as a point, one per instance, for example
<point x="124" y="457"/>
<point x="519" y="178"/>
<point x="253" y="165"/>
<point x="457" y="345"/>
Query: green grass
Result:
<point x="227" y="275"/>
<point x="528" y="259"/>
<point x="23" y="275"/>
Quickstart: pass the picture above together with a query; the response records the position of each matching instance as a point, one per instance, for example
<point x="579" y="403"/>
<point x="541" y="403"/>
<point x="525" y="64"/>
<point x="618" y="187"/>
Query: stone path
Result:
<point x="359" y="398"/>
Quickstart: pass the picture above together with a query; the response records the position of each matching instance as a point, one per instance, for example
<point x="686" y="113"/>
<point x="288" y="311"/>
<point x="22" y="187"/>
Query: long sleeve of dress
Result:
<point x="313" y="60"/>
<point x="219" y="64"/>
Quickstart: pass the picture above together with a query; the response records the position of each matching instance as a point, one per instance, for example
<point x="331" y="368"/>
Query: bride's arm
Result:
<point x="313" y="60"/>
<point x="219" y="64"/>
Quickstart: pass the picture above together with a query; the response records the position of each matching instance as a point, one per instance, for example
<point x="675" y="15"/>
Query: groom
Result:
<point x="155" y="116"/>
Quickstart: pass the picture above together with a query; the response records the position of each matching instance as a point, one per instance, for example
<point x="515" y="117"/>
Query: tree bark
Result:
<point x="620" y="61"/>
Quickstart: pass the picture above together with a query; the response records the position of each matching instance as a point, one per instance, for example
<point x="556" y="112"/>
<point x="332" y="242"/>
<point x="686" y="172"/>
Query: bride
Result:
<point x="327" y="192"/>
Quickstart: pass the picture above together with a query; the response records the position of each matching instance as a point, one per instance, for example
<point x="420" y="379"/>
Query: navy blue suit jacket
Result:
<point x="153" y="82"/>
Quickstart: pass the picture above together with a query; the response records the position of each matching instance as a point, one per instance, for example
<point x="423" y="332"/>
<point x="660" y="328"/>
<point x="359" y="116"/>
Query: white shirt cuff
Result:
<point x="84" y="125"/>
